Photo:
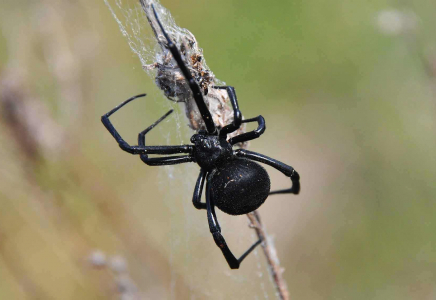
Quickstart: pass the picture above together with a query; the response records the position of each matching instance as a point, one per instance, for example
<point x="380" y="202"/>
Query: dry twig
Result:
<point x="275" y="270"/>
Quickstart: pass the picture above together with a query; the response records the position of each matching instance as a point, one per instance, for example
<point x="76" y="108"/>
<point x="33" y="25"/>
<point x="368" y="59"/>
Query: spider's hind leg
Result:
<point x="215" y="229"/>
<point x="284" y="168"/>
<point x="198" y="190"/>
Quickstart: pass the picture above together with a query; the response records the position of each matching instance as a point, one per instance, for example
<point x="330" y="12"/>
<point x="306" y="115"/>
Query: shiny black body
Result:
<point x="235" y="183"/>
<point x="239" y="185"/>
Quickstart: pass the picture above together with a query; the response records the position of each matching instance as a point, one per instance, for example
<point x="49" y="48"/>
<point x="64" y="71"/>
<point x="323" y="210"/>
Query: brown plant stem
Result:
<point x="275" y="270"/>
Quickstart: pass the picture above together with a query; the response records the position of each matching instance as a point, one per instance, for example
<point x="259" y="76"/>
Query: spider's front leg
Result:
<point x="284" y="168"/>
<point x="237" y="115"/>
<point x="193" y="85"/>
<point x="237" y="120"/>
<point x="121" y="142"/>
<point x="142" y="149"/>
<point x="166" y="160"/>
<point x="218" y="237"/>
<point x="251" y="135"/>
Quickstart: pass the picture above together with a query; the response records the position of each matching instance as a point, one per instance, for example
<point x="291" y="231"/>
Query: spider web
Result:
<point x="193" y="256"/>
<point x="134" y="26"/>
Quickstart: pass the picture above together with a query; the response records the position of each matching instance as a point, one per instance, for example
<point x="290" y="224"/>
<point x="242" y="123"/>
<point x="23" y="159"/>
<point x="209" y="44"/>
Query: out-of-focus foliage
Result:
<point x="348" y="91"/>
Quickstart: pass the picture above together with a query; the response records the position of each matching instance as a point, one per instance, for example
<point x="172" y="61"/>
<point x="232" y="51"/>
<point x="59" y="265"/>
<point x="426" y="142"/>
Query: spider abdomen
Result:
<point x="239" y="186"/>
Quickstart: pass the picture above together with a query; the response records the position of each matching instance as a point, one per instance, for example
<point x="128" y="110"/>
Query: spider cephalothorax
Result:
<point x="210" y="151"/>
<point x="236" y="184"/>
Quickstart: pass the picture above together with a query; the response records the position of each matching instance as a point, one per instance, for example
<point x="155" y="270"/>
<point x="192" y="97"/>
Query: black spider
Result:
<point x="235" y="184"/>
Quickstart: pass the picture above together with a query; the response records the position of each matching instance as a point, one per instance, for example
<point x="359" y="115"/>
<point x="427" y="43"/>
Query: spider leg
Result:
<point x="196" y="91"/>
<point x="218" y="237"/>
<point x="166" y="160"/>
<point x="251" y="135"/>
<point x="237" y="115"/>
<point x="198" y="190"/>
<point x="285" y="169"/>
<point x="121" y="142"/>
<point x="142" y="149"/>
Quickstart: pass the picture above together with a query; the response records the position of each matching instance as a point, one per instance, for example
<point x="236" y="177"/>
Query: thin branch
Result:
<point x="275" y="270"/>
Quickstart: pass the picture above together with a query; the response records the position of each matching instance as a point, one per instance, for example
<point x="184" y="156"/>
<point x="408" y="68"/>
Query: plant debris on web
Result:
<point x="160" y="64"/>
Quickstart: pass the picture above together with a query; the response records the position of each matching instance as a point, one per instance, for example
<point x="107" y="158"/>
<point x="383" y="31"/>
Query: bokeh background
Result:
<point x="348" y="91"/>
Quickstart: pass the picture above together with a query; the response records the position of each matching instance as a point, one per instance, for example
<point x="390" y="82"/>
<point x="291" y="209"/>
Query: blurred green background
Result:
<point x="348" y="91"/>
